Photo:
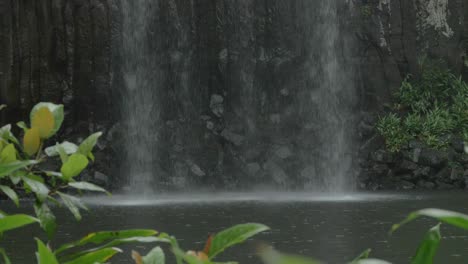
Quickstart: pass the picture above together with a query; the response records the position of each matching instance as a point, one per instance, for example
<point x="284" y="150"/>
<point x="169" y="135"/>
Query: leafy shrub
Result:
<point x="432" y="108"/>
<point x="391" y="128"/>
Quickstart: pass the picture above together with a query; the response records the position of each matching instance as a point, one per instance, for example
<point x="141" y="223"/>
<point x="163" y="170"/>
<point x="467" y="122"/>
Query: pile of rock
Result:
<point x="417" y="166"/>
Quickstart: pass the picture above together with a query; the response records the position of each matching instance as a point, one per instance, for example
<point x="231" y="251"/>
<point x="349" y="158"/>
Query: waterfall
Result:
<point x="286" y="86"/>
<point x="331" y="99"/>
<point x="139" y="105"/>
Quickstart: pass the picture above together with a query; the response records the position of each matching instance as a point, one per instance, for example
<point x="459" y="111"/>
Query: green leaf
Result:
<point x="2" y="106"/>
<point x="63" y="154"/>
<point x="271" y="256"/>
<point x="86" y="147"/>
<point x="188" y="258"/>
<point x="68" y="147"/>
<point x="364" y="255"/>
<point x="23" y="126"/>
<point x="36" y="186"/>
<point x="15" y="221"/>
<point x="44" y="255"/>
<point x="6" y="260"/>
<point x="452" y="218"/>
<point x="8" y="154"/>
<point x="428" y="248"/>
<point x="54" y="174"/>
<point x="57" y="112"/>
<point x="10" y="193"/>
<point x="174" y="245"/>
<point x="46" y="218"/>
<point x="117" y="242"/>
<point x="106" y="236"/>
<point x="75" y="164"/>
<point x="234" y="235"/>
<point x="5" y="133"/>
<point x="87" y="187"/>
<point x="14" y="178"/>
<point x="155" y="256"/>
<point x="7" y="169"/>
<point x="73" y="204"/>
<point x="99" y="256"/>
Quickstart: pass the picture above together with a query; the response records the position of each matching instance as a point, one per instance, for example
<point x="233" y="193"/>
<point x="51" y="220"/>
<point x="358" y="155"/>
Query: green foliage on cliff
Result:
<point x="432" y="108"/>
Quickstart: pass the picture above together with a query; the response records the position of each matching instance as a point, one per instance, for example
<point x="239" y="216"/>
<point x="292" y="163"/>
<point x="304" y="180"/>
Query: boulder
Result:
<point x="432" y="158"/>
<point x="254" y="152"/>
<point x="277" y="173"/>
<point x="413" y="154"/>
<point x="457" y="144"/>
<point x="234" y="138"/>
<point x="457" y="174"/>
<point x="380" y="169"/>
<point x="101" y="179"/>
<point x="310" y="172"/>
<point x="427" y="185"/>
<point x="181" y="170"/>
<point x="406" y="166"/>
<point x="443" y="175"/>
<point x="405" y="185"/>
<point x="283" y="152"/>
<point x="409" y="177"/>
<point x="195" y="169"/>
<point x="444" y="186"/>
<point x="253" y="169"/>
<point x="422" y="172"/>
<point x="382" y="156"/>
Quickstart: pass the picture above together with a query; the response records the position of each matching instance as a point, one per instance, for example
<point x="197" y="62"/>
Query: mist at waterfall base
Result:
<point x="320" y="116"/>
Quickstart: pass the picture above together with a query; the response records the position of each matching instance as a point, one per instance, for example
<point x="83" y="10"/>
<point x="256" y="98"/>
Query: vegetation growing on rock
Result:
<point x="432" y="108"/>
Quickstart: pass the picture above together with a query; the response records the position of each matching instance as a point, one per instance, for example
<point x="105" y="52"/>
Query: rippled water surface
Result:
<point x="334" y="228"/>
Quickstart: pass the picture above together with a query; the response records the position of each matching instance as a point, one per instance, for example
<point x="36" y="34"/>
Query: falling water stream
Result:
<point x="140" y="112"/>
<point x="333" y="98"/>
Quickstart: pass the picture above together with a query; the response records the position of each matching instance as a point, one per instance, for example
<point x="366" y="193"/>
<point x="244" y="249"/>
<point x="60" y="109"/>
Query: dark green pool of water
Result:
<point x="333" y="231"/>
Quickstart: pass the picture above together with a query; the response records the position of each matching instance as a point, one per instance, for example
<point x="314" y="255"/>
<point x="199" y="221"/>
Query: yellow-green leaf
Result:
<point x="22" y="125"/>
<point x="106" y="236"/>
<point x="44" y="255"/>
<point x="428" y="247"/>
<point x="36" y="185"/>
<point x="8" y="169"/>
<point x="86" y="147"/>
<point x="31" y="141"/>
<point x="234" y="235"/>
<point x="10" y="193"/>
<point x="56" y="110"/>
<point x="8" y="154"/>
<point x="450" y="217"/>
<point x="75" y="164"/>
<point x="46" y="218"/>
<point x="99" y="256"/>
<point x="15" y="221"/>
<point x="73" y="204"/>
<point x="44" y="121"/>
<point x="6" y="260"/>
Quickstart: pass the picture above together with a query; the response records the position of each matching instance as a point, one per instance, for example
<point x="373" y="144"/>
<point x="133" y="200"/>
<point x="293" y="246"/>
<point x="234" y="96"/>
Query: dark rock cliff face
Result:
<point x="255" y="53"/>
<point x="58" y="51"/>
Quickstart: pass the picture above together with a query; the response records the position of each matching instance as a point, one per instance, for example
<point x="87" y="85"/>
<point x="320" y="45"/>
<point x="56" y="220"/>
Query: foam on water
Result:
<point x="239" y="197"/>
